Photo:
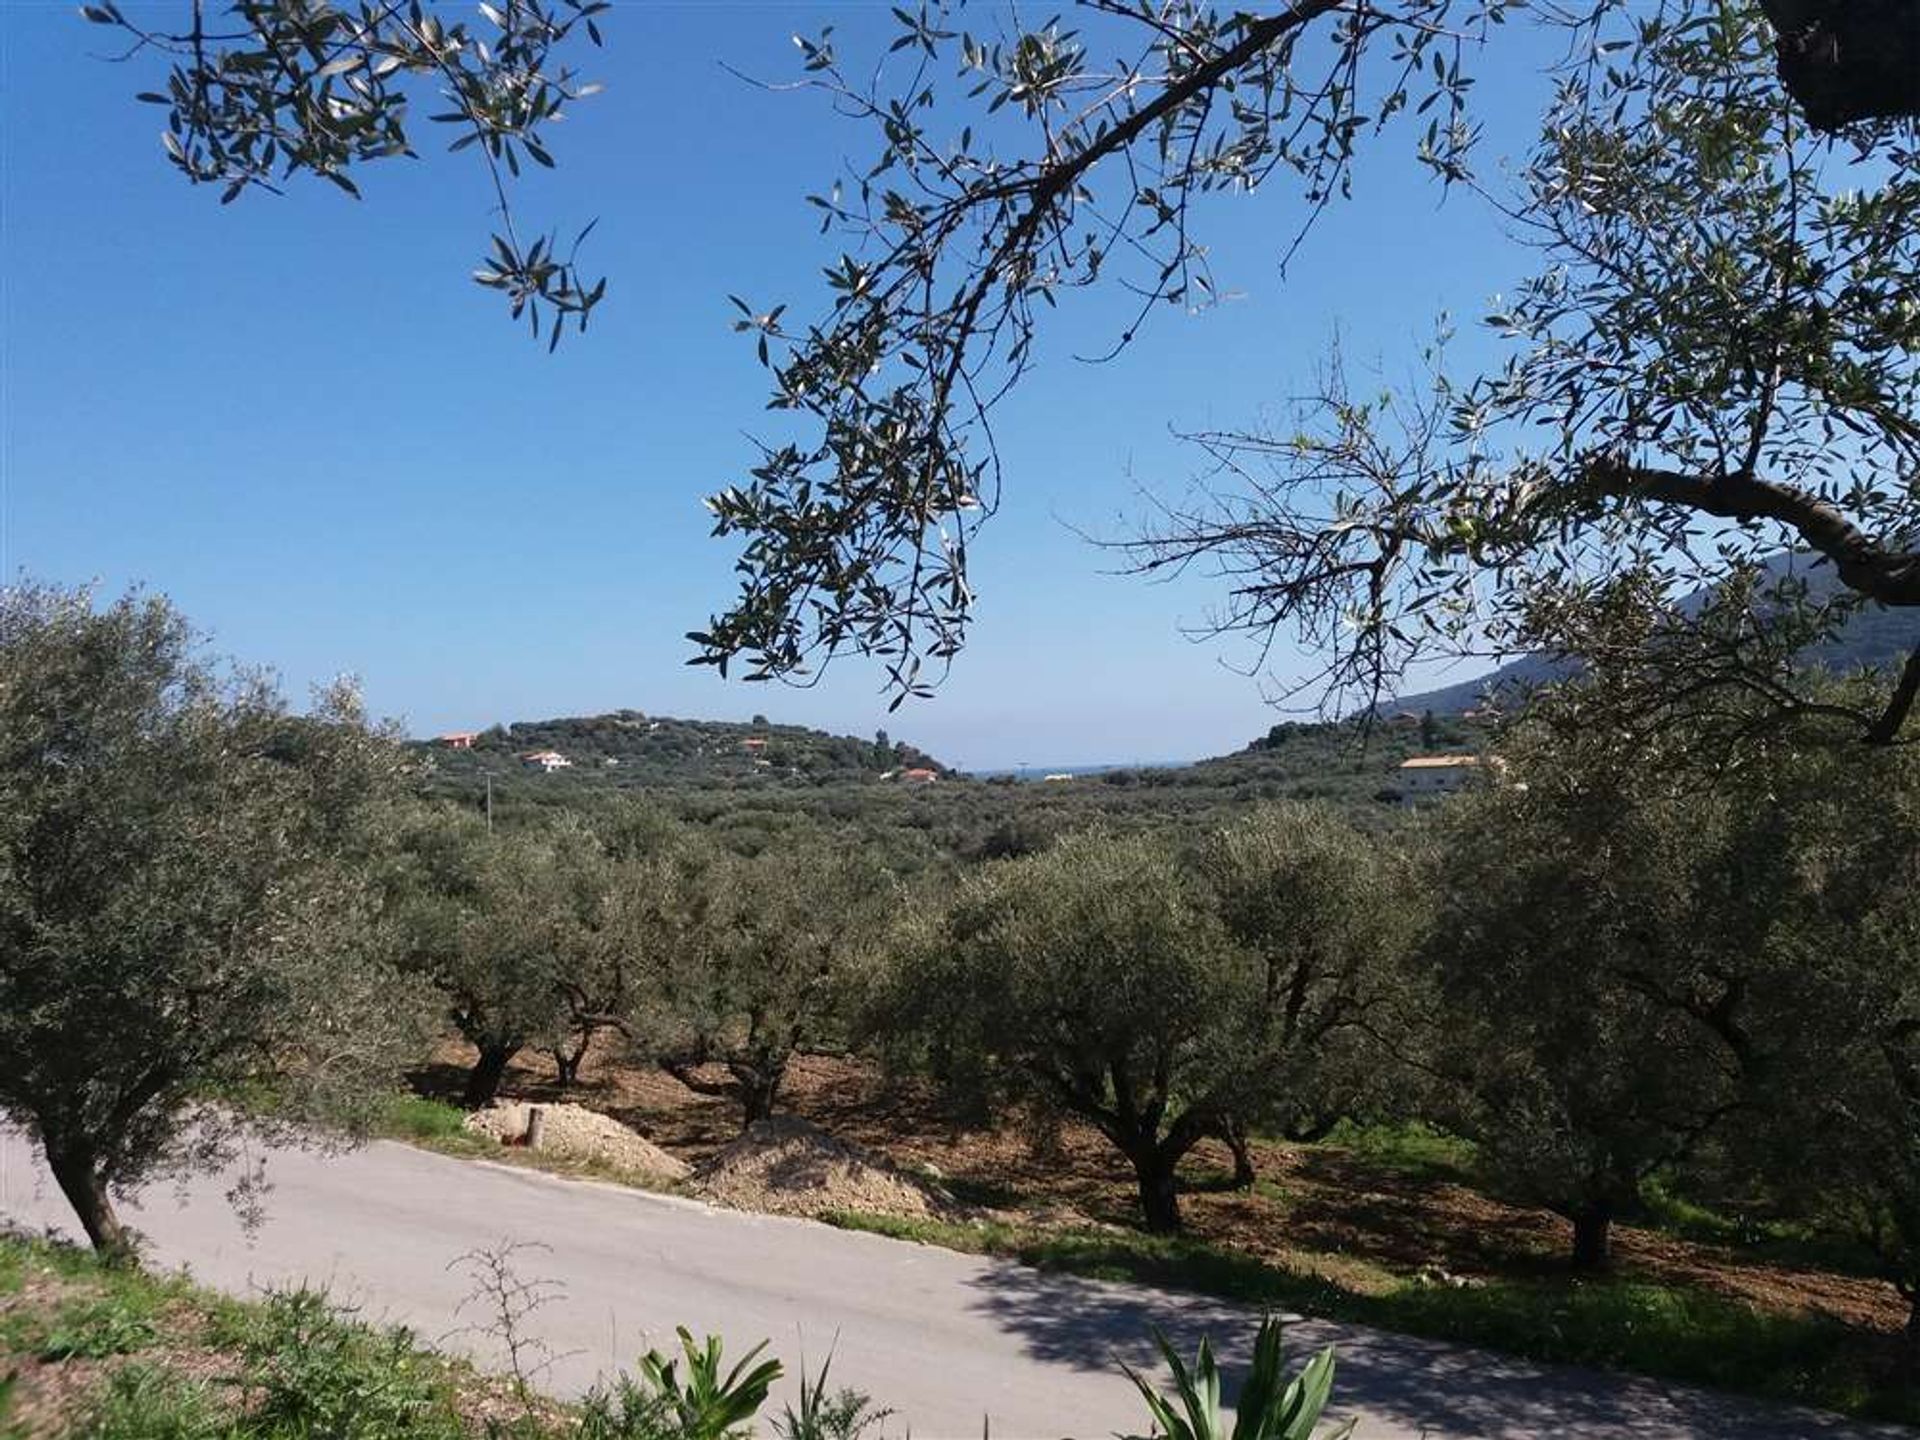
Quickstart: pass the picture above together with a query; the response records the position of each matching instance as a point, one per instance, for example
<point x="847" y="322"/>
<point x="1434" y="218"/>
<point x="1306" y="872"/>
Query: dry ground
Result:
<point x="1317" y="1209"/>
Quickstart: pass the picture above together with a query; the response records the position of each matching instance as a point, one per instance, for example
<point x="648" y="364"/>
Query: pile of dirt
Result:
<point x="576" y="1133"/>
<point x="785" y="1166"/>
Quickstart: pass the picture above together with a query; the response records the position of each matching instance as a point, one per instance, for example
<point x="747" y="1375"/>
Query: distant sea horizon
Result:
<point x="1040" y="772"/>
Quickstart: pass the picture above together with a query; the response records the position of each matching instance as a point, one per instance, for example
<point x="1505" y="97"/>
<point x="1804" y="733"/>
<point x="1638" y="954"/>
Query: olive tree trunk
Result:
<point x="1234" y="1132"/>
<point x="1153" y="1168"/>
<point x="759" y="1086"/>
<point x="77" y="1172"/>
<point x="483" y="1081"/>
<point x="1592" y="1236"/>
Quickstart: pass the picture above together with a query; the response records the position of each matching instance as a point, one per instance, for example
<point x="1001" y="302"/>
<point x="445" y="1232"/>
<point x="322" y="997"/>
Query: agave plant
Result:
<point x="706" y="1406"/>
<point x="1271" y="1406"/>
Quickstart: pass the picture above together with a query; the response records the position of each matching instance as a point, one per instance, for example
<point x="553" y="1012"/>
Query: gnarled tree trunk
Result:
<point x="483" y="1081"/>
<point x="567" y="1060"/>
<point x="1234" y="1132"/>
<point x="76" y="1170"/>
<point x="759" y="1083"/>
<point x="1592" y="1235"/>
<point x="1154" y="1165"/>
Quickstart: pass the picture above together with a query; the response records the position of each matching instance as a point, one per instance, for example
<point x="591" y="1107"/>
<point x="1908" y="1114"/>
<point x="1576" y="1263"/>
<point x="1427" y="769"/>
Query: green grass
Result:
<point x="13" y="1271"/>
<point x="1780" y="1241"/>
<point x="432" y="1123"/>
<point x="108" y="1311"/>
<point x="293" y="1366"/>
<point x="301" y="1369"/>
<point x="1615" y="1322"/>
<point x="142" y="1402"/>
<point x="1409" y="1148"/>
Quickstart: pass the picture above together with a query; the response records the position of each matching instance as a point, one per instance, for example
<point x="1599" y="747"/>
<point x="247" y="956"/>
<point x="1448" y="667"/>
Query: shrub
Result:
<point x="315" y="1372"/>
<point x="844" y="1414"/>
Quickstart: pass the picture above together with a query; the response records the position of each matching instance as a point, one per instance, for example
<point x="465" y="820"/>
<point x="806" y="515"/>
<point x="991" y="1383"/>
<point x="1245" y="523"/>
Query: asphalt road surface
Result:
<point x="947" y="1340"/>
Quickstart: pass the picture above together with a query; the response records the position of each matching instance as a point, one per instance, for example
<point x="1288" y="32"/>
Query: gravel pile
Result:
<point x="576" y="1133"/>
<point x="785" y="1166"/>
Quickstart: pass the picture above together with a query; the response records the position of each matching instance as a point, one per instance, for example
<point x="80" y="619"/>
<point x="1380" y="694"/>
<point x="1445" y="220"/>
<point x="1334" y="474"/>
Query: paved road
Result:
<point x="944" y="1338"/>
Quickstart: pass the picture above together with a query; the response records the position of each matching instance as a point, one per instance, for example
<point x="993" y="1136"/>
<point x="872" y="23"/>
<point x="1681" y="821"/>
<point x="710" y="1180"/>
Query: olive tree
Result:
<point x="1835" y="1136"/>
<point x="1720" y="327"/>
<point x="1844" y="1138"/>
<point x="1713" y="362"/>
<point x="1599" y="944"/>
<point x="262" y="91"/>
<point x="186" y="913"/>
<point x="501" y="925"/>
<point x="1092" y="980"/>
<point x="624" y="888"/>
<point x="1329" y="917"/>
<point x="766" y="967"/>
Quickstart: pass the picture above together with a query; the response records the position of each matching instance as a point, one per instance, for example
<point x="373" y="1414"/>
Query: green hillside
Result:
<point x="629" y="749"/>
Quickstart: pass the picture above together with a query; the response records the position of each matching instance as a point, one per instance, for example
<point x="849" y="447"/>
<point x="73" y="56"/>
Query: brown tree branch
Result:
<point x="1886" y="729"/>
<point x="1867" y="567"/>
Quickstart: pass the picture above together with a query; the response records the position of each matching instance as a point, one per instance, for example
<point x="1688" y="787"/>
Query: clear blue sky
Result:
<point x="298" y="418"/>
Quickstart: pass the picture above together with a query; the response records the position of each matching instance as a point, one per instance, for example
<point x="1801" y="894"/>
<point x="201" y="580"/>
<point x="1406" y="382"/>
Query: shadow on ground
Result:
<point x="1425" y="1387"/>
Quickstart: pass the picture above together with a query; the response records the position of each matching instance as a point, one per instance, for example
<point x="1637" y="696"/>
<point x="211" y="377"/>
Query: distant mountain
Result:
<point x="1874" y="638"/>
<point x="629" y="748"/>
<point x="1516" y="675"/>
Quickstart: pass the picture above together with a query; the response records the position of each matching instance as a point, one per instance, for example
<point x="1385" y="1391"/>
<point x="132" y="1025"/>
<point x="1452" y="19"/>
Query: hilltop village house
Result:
<point x="547" y="760"/>
<point x="919" y="776"/>
<point x="1427" y="777"/>
<point x="457" y="739"/>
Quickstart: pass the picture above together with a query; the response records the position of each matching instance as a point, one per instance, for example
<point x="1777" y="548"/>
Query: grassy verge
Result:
<point x="431" y="1124"/>
<point x="1616" y="1323"/>
<point x="90" y="1352"/>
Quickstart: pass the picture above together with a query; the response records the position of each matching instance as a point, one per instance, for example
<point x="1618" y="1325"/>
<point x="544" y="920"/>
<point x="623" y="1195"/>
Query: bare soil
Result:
<point x="1317" y="1209"/>
<point x="577" y="1133"/>
<point x="787" y="1166"/>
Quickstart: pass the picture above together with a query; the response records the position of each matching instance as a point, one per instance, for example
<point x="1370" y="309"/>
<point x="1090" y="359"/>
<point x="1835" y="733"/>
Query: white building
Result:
<point x="1423" y="777"/>
<point x="547" y="760"/>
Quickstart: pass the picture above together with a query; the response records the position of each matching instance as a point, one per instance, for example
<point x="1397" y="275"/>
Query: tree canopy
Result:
<point x="185" y="912"/>
<point x="1158" y="995"/>
<point x="765" y="967"/>
<point x="1598" y="944"/>
<point x="1712" y="359"/>
<point x="1720" y="329"/>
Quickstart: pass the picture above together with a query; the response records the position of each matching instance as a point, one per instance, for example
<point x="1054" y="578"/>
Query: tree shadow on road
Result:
<point x="1418" y="1387"/>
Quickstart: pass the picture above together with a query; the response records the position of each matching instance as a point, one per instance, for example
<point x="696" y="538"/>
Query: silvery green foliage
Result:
<point x="1713" y="362"/>
<point x="1011" y="165"/>
<point x="1720" y="330"/>
<point x="262" y="91"/>
<point x="185" y="907"/>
